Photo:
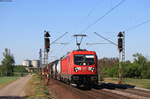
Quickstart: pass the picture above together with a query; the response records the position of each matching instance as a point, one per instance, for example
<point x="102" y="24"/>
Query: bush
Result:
<point x="13" y="71"/>
<point x="19" y="69"/>
<point x="110" y="71"/>
<point x="130" y="70"/>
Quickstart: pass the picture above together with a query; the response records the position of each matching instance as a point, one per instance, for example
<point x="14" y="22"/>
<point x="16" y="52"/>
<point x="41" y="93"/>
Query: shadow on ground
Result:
<point x="113" y="86"/>
<point x="108" y="86"/>
<point x="13" y="97"/>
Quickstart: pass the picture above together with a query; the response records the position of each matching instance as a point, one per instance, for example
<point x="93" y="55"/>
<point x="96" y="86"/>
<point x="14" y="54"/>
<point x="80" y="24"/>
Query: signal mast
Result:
<point x="121" y="48"/>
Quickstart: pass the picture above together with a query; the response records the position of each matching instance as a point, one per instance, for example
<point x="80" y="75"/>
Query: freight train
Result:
<point x="77" y="67"/>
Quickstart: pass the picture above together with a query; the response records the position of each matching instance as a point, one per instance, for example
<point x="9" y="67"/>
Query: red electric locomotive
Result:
<point x="78" y="67"/>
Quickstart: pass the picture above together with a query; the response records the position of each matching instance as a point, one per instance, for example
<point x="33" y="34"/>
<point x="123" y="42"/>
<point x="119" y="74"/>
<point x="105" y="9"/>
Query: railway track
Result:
<point x="109" y="94"/>
<point x="135" y="93"/>
<point x="64" y="91"/>
<point x="93" y="93"/>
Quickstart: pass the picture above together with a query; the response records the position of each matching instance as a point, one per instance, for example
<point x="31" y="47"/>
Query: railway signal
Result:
<point x="47" y="41"/>
<point x="120" y="41"/>
<point x="46" y="46"/>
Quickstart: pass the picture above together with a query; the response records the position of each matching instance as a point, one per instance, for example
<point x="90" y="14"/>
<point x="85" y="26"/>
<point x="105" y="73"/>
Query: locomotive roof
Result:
<point x="79" y="52"/>
<point x="82" y="52"/>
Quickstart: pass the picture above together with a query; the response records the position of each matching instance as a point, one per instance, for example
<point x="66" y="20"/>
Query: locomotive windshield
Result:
<point x="83" y="59"/>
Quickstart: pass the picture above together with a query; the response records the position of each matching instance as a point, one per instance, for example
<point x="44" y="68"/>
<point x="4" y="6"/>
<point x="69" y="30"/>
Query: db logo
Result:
<point x="84" y="68"/>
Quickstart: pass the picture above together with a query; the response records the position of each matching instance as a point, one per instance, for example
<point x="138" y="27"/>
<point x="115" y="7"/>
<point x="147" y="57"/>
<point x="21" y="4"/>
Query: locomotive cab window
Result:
<point x="83" y="59"/>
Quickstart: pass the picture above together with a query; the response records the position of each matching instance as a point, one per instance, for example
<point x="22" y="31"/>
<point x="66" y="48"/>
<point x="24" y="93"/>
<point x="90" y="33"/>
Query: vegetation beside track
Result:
<point x="7" y="80"/>
<point x="142" y="83"/>
<point x="139" y="68"/>
<point x="136" y="73"/>
<point x="36" y="89"/>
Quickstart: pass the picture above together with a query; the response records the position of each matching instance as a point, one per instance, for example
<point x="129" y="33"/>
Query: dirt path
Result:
<point x="15" y="90"/>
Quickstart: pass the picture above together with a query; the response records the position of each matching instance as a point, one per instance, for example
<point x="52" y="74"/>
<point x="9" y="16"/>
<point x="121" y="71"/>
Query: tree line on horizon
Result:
<point x="139" y="68"/>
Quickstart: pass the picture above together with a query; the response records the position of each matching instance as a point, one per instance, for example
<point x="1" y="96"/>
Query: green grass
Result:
<point x="143" y="83"/>
<point x="36" y="89"/>
<point x="6" y="80"/>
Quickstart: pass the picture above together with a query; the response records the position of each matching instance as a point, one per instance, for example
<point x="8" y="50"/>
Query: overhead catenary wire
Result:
<point x="105" y="39"/>
<point x="128" y="29"/>
<point x="87" y="16"/>
<point x="90" y="12"/>
<point x="136" y="26"/>
<point x="65" y="43"/>
<point x="96" y="43"/>
<point x="59" y="38"/>
<point x="100" y="18"/>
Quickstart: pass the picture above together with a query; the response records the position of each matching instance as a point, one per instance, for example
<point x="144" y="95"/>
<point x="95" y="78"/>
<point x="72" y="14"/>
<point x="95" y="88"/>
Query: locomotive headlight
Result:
<point x="91" y="68"/>
<point x="76" y="69"/>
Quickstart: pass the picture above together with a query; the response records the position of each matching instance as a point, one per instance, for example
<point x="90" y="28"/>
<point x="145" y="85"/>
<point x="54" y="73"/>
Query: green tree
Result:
<point x="143" y="65"/>
<point x="8" y="58"/>
<point x="139" y="58"/>
<point x="8" y="61"/>
<point x="131" y="70"/>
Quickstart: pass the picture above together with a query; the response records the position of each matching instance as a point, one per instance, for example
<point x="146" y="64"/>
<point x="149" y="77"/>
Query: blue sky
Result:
<point x="22" y="23"/>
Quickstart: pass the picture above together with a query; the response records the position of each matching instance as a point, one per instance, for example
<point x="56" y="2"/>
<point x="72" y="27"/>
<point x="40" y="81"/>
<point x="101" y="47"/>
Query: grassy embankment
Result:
<point x="142" y="83"/>
<point x="7" y="80"/>
<point x="36" y="89"/>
